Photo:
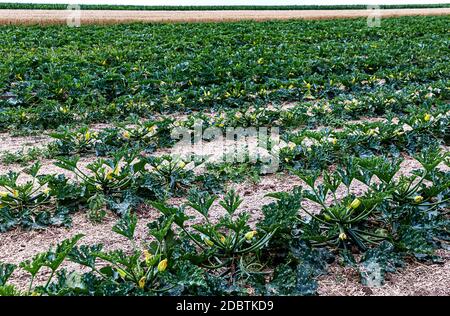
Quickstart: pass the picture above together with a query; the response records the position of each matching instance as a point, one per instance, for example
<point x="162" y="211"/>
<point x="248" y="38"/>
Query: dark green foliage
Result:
<point x="5" y="272"/>
<point x="126" y="74"/>
<point x="199" y="66"/>
<point x="378" y="261"/>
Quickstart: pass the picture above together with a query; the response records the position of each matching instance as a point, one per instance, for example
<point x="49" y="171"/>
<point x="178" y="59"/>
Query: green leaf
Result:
<point x="54" y="258"/>
<point x="6" y="270"/>
<point x="34" y="265"/>
<point x="292" y="281"/>
<point x="231" y="202"/>
<point x="126" y="226"/>
<point x="309" y="176"/>
<point x="85" y="255"/>
<point x="376" y="262"/>
<point x="177" y="212"/>
<point x="201" y="202"/>
<point x="67" y="163"/>
<point x="161" y="228"/>
<point x="9" y="290"/>
<point x="383" y="168"/>
<point x="430" y="157"/>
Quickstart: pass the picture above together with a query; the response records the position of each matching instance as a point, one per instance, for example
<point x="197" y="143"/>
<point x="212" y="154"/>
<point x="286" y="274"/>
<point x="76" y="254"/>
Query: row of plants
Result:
<point x="397" y="217"/>
<point x="118" y="184"/>
<point x="394" y="136"/>
<point x="121" y="181"/>
<point x="118" y="71"/>
<point x="308" y="150"/>
<point x="408" y="127"/>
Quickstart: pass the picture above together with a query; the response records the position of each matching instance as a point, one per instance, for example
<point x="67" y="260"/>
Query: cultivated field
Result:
<point x="96" y="197"/>
<point x="124" y="16"/>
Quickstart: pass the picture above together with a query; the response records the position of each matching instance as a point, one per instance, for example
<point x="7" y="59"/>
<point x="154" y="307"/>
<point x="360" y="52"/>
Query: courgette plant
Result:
<point x="416" y="209"/>
<point x="407" y="190"/>
<point x="142" y="132"/>
<point x="411" y="189"/>
<point x="144" y="267"/>
<point x="33" y="204"/>
<point x="31" y="196"/>
<point x="172" y="172"/>
<point x="109" y="176"/>
<point x="230" y="244"/>
<point x="341" y="221"/>
<point x="68" y="142"/>
<point x="52" y="260"/>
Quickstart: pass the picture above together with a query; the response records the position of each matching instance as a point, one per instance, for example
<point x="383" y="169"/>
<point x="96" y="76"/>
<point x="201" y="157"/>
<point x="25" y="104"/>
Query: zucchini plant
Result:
<point x="230" y="244"/>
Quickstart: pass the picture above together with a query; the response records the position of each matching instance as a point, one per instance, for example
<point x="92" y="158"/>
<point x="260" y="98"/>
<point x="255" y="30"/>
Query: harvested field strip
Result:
<point x="49" y="17"/>
<point x="48" y="6"/>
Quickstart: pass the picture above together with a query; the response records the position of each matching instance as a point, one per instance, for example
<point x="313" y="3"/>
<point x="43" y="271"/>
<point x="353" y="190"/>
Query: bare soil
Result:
<point x="416" y="279"/>
<point x="114" y="16"/>
<point x="13" y="144"/>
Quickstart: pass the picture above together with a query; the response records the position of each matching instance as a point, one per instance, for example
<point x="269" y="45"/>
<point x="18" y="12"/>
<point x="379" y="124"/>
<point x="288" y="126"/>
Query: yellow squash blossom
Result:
<point x="292" y="145"/>
<point x="355" y="204"/>
<point x="152" y="129"/>
<point x="148" y="256"/>
<point x="334" y="141"/>
<point x="117" y="170"/>
<point x="162" y="266"/>
<point x="418" y="198"/>
<point x="208" y="242"/>
<point x="142" y="282"/>
<point x="373" y="131"/>
<point x="250" y="235"/>
<point x="126" y="134"/>
<point x="342" y="236"/>
<point x="427" y="117"/>
<point x="108" y="175"/>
